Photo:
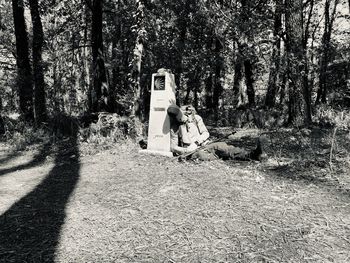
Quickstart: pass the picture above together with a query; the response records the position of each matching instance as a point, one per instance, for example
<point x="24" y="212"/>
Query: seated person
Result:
<point x="188" y="132"/>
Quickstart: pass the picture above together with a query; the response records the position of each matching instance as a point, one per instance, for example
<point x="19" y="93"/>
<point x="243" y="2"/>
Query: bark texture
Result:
<point x="24" y="75"/>
<point x="299" y="114"/>
<point x="38" y="70"/>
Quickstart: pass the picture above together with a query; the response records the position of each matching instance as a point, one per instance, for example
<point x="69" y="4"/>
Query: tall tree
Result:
<point x="183" y="10"/>
<point x="329" y="17"/>
<point x="299" y="105"/>
<point x="276" y="57"/>
<point x="38" y="70"/>
<point x="99" y="92"/>
<point x="306" y="36"/>
<point x="244" y="62"/>
<point x="238" y="77"/>
<point x="24" y="75"/>
<point x="218" y="89"/>
<point x="137" y="59"/>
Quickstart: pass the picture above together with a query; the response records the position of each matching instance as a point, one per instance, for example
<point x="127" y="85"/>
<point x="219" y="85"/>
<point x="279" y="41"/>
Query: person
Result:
<point x="188" y="132"/>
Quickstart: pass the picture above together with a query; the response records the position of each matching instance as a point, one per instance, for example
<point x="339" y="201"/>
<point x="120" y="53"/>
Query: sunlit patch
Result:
<point x="17" y="184"/>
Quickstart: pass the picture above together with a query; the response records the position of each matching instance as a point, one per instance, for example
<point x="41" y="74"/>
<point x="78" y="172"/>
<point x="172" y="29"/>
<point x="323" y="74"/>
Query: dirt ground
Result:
<point x="73" y="202"/>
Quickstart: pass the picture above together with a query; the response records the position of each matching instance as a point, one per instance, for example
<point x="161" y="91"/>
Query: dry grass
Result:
<point x="128" y="207"/>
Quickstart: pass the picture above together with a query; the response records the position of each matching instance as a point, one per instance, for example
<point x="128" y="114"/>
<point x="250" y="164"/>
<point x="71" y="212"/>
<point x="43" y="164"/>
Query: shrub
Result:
<point x="111" y="128"/>
<point x="329" y="117"/>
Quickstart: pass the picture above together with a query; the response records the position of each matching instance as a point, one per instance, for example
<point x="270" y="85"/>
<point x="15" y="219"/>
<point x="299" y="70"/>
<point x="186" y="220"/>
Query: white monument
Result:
<point x="162" y="96"/>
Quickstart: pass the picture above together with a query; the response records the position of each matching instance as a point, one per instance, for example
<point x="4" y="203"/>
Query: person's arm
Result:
<point x="174" y="144"/>
<point x="203" y="131"/>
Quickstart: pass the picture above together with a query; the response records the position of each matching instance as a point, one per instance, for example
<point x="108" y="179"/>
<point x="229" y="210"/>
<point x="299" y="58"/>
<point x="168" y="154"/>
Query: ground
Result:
<point x="73" y="202"/>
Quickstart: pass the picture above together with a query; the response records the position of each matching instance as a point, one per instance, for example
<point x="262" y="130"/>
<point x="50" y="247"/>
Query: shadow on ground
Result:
<point x="9" y="157"/>
<point x="30" y="228"/>
<point x="39" y="158"/>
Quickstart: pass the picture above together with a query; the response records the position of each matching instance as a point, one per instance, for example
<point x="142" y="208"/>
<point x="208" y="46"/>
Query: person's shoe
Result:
<point x="143" y="144"/>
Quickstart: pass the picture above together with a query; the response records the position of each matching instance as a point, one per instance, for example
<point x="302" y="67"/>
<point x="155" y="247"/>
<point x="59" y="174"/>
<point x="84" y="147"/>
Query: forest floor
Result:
<point x="72" y="202"/>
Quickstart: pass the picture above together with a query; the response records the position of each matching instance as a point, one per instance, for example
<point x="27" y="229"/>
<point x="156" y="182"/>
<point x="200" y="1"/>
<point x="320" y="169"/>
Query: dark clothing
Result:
<point x="226" y="152"/>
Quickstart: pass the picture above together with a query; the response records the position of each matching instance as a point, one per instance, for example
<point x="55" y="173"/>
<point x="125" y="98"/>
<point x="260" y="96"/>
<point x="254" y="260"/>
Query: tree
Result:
<point x="99" y="92"/>
<point x="38" y="70"/>
<point x="325" y="49"/>
<point x="274" y="77"/>
<point x="137" y="58"/>
<point x="182" y="10"/>
<point x="245" y="35"/>
<point x="218" y="68"/>
<point x="24" y="71"/>
<point x="299" y="104"/>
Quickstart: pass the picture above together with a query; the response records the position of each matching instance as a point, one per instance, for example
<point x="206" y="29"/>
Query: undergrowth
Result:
<point x="20" y="136"/>
<point x="104" y="130"/>
<point x="110" y="129"/>
<point x="327" y="116"/>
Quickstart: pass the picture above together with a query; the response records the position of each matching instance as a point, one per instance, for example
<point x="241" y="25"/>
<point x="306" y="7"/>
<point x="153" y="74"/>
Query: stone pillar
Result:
<point x="162" y="96"/>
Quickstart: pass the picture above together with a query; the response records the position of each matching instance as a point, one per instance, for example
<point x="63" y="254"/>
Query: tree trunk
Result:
<point x="180" y="46"/>
<point x="245" y="57"/>
<point x="209" y="78"/>
<point x="237" y="82"/>
<point x="38" y="70"/>
<point x="274" y="76"/>
<point x="116" y="68"/>
<point x="2" y="124"/>
<point x="137" y="60"/>
<point x="299" y="114"/>
<point x="209" y="92"/>
<point x="24" y="75"/>
<point x="86" y="60"/>
<point x="325" y="46"/>
<point x="306" y="36"/>
<point x="284" y="77"/>
<point x="99" y="92"/>
<point x="138" y="52"/>
<point x="217" y="92"/>
<point x="248" y="72"/>
<point x="182" y="12"/>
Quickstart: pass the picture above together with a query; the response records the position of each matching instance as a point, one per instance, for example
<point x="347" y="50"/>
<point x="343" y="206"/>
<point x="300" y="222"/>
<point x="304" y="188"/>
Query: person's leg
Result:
<point x="225" y="152"/>
<point x="203" y="155"/>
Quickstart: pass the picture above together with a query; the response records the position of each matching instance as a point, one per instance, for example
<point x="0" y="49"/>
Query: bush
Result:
<point x="20" y="136"/>
<point x="329" y="117"/>
<point x="111" y="128"/>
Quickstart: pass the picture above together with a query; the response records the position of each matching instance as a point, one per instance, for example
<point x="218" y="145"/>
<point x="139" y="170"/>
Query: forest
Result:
<point x="268" y="63"/>
<point x="75" y="95"/>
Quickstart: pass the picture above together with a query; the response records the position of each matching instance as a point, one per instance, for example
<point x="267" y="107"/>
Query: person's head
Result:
<point x="188" y="110"/>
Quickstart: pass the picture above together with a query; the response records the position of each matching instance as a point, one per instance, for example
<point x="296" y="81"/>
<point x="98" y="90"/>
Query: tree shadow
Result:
<point x="39" y="158"/>
<point x="9" y="157"/>
<point x="30" y="228"/>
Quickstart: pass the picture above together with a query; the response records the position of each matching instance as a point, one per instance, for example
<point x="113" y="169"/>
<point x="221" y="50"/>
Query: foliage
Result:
<point x="20" y="135"/>
<point x="201" y="41"/>
<point x="328" y="116"/>
<point x="109" y="129"/>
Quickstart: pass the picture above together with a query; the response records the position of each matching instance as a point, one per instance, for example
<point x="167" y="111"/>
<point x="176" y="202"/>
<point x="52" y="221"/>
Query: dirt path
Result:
<point x="121" y="206"/>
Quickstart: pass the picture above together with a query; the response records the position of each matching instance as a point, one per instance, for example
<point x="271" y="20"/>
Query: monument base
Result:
<point x="153" y="152"/>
